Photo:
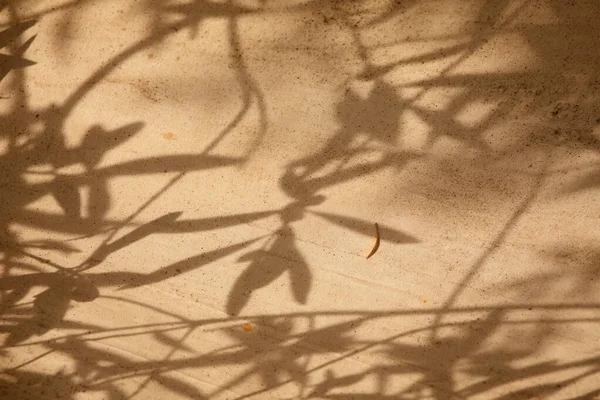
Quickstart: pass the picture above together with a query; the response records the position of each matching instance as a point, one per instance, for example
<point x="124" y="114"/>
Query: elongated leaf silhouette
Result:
<point x="300" y="278"/>
<point x="172" y="342"/>
<point x="180" y="387"/>
<point x="206" y="224"/>
<point x="171" y="163"/>
<point x="330" y="382"/>
<point x="133" y="236"/>
<point x="15" y="61"/>
<point x="98" y="141"/>
<point x="99" y="202"/>
<point x="189" y="264"/>
<point x="9" y="34"/>
<point x="48" y="244"/>
<point x="587" y="182"/>
<point x="268" y="265"/>
<point x="67" y="196"/>
<point x="366" y="228"/>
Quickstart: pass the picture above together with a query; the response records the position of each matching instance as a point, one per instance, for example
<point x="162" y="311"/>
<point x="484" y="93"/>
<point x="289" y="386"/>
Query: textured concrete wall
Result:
<point x="189" y="191"/>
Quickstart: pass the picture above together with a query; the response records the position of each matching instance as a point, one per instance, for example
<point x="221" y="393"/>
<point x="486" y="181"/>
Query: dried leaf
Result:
<point x="377" y="241"/>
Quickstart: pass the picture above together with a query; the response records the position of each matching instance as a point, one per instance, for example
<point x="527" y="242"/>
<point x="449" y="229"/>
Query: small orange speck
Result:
<point x="169" y="136"/>
<point x="425" y="301"/>
<point x="248" y="327"/>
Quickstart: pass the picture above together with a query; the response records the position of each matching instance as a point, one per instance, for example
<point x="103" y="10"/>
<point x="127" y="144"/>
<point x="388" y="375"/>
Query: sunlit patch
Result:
<point x="596" y="130"/>
<point x="36" y="127"/>
<point x="39" y="174"/>
<point x="475" y="113"/>
<point x="71" y="170"/>
<point x="414" y="136"/>
<point x="4" y="145"/>
<point x="299" y="170"/>
<point x="24" y="142"/>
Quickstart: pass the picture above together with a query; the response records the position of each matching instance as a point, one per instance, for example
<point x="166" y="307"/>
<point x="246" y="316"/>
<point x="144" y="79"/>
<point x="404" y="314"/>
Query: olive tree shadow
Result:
<point x="278" y="349"/>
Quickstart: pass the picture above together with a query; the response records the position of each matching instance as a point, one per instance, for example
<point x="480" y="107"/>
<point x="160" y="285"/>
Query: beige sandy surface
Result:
<point x="189" y="190"/>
